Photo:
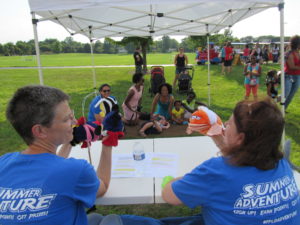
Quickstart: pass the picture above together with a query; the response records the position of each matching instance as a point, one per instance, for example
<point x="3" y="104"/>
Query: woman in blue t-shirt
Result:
<point x="251" y="182"/>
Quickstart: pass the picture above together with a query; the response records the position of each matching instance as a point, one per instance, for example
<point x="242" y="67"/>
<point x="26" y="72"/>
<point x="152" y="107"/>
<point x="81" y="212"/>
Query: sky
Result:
<point x="15" y="23"/>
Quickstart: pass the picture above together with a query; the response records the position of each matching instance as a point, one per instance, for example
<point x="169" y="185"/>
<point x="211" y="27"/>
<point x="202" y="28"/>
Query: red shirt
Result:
<point x="228" y="53"/>
<point x="289" y="71"/>
<point x="246" y="51"/>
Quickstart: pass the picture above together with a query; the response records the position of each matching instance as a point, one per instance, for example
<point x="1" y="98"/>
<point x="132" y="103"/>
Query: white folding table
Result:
<point x="191" y="151"/>
<point x="121" y="191"/>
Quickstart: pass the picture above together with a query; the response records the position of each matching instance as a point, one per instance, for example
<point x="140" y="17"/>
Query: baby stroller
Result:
<point x="185" y="80"/>
<point x="157" y="78"/>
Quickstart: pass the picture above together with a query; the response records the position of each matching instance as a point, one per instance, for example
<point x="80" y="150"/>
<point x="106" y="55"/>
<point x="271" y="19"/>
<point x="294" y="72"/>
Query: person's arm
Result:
<point x="187" y="108"/>
<point x="175" y="60"/>
<point x="168" y="194"/>
<point x="140" y="100"/>
<point x="186" y="60"/>
<point x="154" y="103"/>
<point x="98" y="117"/>
<point x="157" y="126"/>
<point x="65" y="150"/>
<point x="291" y="64"/>
<point x="245" y="70"/>
<point x="269" y="89"/>
<point x="259" y="71"/>
<point x="166" y="126"/>
<point x="128" y="98"/>
<point x="104" y="169"/>
<point x="200" y="103"/>
<point x="173" y="117"/>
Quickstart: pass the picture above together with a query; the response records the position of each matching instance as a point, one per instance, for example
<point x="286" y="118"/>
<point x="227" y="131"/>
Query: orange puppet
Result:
<point x="205" y="122"/>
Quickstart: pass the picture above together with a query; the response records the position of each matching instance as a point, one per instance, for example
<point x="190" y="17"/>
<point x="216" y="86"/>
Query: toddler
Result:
<point x="272" y="83"/>
<point x="155" y="126"/>
<point x="178" y="113"/>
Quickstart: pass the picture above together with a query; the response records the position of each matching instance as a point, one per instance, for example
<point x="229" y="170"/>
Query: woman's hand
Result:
<point x="219" y="141"/>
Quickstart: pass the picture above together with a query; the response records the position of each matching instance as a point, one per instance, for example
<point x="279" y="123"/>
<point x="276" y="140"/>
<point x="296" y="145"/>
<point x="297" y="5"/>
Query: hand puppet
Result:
<point x="112" y="127"/>
<point x="206" y="122"/>
<point x="86" y="132"/>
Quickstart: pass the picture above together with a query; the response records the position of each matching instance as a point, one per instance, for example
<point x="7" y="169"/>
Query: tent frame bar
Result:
<point x="37" y="47"/>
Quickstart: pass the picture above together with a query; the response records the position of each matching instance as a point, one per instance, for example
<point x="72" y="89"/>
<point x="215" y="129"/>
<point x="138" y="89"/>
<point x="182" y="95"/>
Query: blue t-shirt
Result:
<point x="231" y="195"/>
<point x="45" y="189"/>
<point x="98" y="106"/>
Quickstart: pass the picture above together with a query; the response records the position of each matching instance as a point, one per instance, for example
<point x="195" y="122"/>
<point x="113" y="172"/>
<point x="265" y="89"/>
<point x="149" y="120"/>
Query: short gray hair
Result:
<point x="31" y="105"/>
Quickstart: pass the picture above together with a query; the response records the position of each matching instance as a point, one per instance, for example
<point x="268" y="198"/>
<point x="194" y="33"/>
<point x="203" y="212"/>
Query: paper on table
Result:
<point x="154" y="165"/>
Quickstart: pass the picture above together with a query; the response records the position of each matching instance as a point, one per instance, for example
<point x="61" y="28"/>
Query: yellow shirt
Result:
<point x="178" y="114"/>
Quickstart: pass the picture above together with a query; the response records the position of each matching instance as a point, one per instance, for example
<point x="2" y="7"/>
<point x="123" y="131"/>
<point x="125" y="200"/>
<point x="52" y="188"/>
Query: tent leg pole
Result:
<point x="37" y="48"/>
<point x="282" y="53"/>
<point x="93" y="65"/>
<point x="208" y="66"/>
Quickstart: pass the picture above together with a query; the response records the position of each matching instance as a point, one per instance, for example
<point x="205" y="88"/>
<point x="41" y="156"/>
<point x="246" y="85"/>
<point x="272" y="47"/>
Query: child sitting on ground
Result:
<point x="155" y="126"/>
<point x="178" y="113"/>
<point x="272" y="83"/>
<point x="190" y="104"/>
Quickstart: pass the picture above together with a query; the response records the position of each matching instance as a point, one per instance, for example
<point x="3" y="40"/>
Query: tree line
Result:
<point x="126" y="45"/>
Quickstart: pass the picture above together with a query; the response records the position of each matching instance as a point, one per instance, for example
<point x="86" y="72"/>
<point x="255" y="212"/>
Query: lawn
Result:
<point x="226" y="91"/>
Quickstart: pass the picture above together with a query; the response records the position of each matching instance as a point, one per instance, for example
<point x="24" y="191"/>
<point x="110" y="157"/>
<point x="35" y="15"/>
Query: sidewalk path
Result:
<point x="73" y="67"/>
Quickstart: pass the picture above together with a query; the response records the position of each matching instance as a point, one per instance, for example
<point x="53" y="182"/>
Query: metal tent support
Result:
<point x="208" y="65"/>
<point x="93" y="59"/>
<point x="281" y="9"/>
<point x="37" y="48"/>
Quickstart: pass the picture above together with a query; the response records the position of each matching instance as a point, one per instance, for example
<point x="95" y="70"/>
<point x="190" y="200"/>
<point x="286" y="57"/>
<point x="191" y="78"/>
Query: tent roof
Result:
<point x="124" y="18"/>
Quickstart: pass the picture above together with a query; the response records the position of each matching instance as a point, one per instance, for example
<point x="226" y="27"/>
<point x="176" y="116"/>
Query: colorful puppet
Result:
<point x="205" y="122"/>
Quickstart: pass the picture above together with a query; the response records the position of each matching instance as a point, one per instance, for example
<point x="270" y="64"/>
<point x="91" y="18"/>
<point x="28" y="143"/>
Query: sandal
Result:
<point x="142" y="133"/>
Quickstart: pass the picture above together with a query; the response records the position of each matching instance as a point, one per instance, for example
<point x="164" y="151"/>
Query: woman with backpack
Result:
<point x="252" y="71"/>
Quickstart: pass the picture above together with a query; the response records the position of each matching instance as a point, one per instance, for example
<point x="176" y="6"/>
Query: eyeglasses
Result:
<point x="105" y="91"/>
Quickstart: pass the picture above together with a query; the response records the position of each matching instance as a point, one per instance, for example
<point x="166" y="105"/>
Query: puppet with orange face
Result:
<point x="205" y="122"/>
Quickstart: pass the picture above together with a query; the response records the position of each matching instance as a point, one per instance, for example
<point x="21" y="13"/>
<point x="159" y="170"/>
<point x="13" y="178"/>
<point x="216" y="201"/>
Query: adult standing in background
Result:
<point x="41" y="185"/>
<point x="222" y="56"/>
<point x="256" y="51"/>
<point x="275" y="53"/>
<point x="138" y="60"/>
<point x="101" y="104"/>
<point x="133" y="100"/>
<point x="246" y="53"/>
<point x="180" y="62"/>
<point x="228" y="57"/>
<point x="292" y="70"/>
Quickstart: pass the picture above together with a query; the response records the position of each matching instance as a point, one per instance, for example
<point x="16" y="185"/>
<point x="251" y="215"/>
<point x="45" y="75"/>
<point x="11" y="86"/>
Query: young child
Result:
<point x="156" y="126"/>
<point x="190" y="104"/>
<point x="252" y="73"/>
<point x="272" y="83"/>
<point x="178" y="113"/>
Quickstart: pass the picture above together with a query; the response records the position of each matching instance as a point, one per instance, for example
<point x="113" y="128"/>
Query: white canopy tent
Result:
<point x="97" y="19"/>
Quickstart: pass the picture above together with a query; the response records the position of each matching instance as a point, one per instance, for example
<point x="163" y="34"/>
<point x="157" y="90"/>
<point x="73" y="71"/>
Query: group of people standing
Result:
<point x="253" y="72"/>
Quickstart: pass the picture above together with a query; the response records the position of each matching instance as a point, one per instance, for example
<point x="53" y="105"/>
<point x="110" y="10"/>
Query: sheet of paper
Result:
<point x="154" y="165"/>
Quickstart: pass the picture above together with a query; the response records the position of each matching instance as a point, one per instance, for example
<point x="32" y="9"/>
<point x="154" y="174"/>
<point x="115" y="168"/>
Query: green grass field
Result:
<point x="226" y="91"/>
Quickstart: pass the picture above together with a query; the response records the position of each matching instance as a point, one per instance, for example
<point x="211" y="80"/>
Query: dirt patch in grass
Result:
<point x="131" y="132"/>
